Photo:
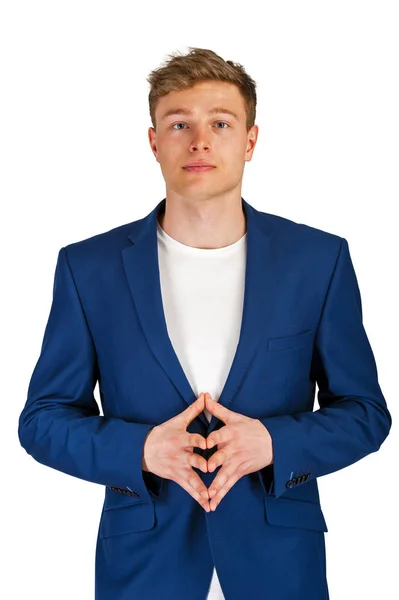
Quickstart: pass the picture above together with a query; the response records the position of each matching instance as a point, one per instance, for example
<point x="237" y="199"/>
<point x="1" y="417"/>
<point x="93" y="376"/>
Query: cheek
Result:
<point x="231" y="155"/>
<point x="168" y="149"/>
<point x="169" y="162"/>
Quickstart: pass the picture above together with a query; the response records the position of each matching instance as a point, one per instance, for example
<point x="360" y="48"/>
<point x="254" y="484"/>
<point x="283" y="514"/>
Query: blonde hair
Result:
<point x="200" y="64"/>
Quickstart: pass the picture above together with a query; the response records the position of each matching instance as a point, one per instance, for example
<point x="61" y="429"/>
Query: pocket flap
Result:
<point x="294" y="513"/>
<point x="290" y="341"/>
<point x="114" y="499"/>
<point x="128" y="519"/>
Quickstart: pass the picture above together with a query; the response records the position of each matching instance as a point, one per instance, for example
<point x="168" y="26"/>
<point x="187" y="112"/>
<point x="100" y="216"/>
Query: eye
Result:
<point x="224" y="123"/>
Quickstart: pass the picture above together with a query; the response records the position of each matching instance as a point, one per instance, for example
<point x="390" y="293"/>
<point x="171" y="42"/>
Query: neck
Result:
<point x="206" y="225"/>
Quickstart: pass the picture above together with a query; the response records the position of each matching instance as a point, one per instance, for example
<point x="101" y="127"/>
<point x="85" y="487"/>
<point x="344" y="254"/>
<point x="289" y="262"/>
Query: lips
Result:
<point x="199" y="167"/>
<point x="199" y="163"/>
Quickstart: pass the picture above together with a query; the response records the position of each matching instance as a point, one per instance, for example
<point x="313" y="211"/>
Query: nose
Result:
<point x="200" y="140"/>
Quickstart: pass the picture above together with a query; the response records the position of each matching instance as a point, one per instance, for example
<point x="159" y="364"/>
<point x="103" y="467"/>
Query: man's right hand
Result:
<point x="168" y="452"/>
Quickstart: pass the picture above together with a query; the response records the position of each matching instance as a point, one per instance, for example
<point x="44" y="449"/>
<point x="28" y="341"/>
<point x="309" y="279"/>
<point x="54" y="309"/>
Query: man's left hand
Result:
<point x="244" y="446"/>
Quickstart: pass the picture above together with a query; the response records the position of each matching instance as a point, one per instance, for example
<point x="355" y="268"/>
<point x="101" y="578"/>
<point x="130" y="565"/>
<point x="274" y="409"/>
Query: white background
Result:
<point x="76" y="161"/>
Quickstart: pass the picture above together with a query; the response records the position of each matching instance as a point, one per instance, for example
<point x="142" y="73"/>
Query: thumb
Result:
<point x="194" y="410"/>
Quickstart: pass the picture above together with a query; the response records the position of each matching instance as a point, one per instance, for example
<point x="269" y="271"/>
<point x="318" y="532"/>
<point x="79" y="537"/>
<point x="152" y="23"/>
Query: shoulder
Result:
<point x="101" y="247"/>
<point x="299" y="235"/>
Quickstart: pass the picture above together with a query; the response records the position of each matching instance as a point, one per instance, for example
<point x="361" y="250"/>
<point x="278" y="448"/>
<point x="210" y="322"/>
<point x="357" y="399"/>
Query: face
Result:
<point x="219" y="138"/>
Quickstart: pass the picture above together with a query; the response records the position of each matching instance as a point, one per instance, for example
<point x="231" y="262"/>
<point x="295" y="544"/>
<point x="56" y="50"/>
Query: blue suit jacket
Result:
<point x="301" y="325"/>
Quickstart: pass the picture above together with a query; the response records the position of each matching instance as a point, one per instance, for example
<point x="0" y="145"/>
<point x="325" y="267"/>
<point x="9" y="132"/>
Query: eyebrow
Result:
<point x="214" y="111"/>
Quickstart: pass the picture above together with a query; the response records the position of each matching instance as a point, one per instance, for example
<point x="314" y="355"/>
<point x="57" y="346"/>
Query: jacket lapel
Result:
<point x="142" y="271"/>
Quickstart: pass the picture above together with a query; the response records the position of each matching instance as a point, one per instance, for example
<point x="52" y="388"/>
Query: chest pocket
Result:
<point x="289" y="357"/>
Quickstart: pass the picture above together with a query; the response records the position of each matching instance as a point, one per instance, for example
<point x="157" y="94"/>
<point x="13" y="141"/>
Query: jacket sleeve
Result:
<point x="60" y="425"/>
<point x="353" y="419"/>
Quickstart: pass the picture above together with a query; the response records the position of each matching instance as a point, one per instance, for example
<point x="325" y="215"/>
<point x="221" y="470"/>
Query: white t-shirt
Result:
<point x="202" y="295"/>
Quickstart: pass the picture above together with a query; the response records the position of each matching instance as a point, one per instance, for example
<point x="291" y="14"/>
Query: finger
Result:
<point x="195" y="481"/>
<point x="226" y="473"/>
<point x="192" y="483"/>
<point x="222" y="483"/>
<point x="221" y="436"/>
<point x="195" y="460"/>
<point x="212" y="440"/>
<point x="196" y="440"/>
<point x="204" y="502"/>
<point x="220" y="411"/>
<point x="215" y="438"/>
<point x="216" y="460"/>
<point x="221" y="478"/>
<point x="215" y="499"/>
<point x="228" y="476"/>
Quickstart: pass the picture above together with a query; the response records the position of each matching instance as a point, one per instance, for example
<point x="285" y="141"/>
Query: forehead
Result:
<point x="203" y="96"/>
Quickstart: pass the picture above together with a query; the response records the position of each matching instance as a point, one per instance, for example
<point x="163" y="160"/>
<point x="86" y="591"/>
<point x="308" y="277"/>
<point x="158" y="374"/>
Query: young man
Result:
<point x="207" y="495"/>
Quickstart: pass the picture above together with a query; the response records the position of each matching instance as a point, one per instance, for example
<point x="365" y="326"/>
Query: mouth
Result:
<point x="198" y="169"/>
